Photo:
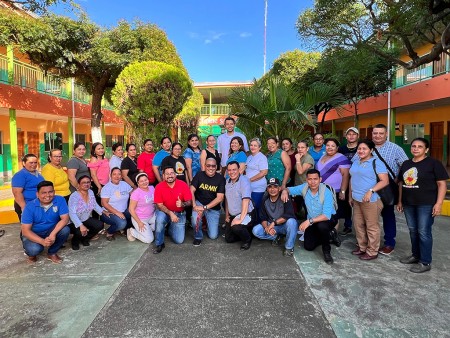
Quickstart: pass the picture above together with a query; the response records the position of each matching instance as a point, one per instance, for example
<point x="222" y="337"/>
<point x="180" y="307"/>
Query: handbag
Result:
<point x="389" y="194"/>
<point x="392" y="183"/>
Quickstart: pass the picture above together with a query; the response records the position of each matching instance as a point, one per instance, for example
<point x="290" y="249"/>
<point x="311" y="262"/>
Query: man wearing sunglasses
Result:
<point x="208" y="191"/>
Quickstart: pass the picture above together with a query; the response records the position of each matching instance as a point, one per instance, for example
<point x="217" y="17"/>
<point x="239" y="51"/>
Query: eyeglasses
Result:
<point x="210" y="166"/>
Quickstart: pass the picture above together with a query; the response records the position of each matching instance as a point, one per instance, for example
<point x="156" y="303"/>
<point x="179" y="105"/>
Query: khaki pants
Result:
<point x="367" y="225"/>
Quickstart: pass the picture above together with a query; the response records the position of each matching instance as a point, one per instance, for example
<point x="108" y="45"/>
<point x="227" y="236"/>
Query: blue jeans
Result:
<point x="289" y="228"/>
<point x="115" y="222"/>
<point x="257" y="198"/>
<point x="419" y="220"/>
<point x="389" y="225"/>
<point x="212" y="218"/>
<point x="176" y="230"/>
<point x="33" y="249"/>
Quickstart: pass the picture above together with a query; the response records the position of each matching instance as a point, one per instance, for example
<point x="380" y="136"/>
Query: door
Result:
<point x="33" y="143"/>
<point x="437" y="140"/>
<point x="20" y="147"/>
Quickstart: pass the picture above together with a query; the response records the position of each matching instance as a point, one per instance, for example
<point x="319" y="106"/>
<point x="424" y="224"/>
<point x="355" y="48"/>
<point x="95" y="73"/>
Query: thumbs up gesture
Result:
<point x="179" y="203"/>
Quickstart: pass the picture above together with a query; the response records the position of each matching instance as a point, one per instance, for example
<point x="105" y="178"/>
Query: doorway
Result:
<point x="437" y="140"/>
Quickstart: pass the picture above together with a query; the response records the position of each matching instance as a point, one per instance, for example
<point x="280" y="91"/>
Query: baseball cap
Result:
<point x="274" y="181"/>
<point x="353" y="129"/>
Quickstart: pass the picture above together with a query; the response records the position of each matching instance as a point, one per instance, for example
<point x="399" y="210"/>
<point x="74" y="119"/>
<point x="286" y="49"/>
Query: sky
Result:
<point x="217" y="40"/>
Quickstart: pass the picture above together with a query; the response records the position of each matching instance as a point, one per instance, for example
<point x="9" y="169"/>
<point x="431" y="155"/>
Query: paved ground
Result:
<point x="120" y="289"/>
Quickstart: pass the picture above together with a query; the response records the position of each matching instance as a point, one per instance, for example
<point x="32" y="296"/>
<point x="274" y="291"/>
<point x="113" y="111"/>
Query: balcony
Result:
<point x="28" y="76"/>
<point x="216" y="110"/>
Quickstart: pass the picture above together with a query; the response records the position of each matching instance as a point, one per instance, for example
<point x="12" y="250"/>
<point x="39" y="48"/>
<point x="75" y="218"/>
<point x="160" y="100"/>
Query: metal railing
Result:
<point x="216" y="109"/>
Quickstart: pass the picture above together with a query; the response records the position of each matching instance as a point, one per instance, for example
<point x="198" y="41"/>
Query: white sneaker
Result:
<point x="130" y="235"/>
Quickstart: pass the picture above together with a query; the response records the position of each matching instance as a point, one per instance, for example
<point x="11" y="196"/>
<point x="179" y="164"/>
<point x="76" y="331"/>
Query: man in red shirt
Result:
<point x="172" y="196"/>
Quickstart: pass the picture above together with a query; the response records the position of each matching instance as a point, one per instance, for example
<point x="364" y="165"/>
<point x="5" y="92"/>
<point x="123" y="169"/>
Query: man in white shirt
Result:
<point x="223" y="141"/>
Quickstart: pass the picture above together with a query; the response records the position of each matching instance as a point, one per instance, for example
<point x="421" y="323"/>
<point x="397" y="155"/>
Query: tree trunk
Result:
<point x="96" y="107"/>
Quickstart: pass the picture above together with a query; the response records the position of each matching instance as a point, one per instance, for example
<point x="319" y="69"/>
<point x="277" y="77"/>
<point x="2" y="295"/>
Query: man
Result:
<point x="223" y="141"/>
<point x="208" y="191"/>
<point x="319" y="226"/>
<point x="318" y="148"/>
<point x="277" y="218"/>
<point x="349" y="150"/>
<point x="394" y="157"/>
<point x="239" y="210"/>
<point x="172" y="196"/>
<point x="44" y="224"/>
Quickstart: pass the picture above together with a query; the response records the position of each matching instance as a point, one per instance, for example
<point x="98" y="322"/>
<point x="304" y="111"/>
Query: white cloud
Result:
<point x="245" y="35"/>
<point x="207" y="41"/>
<point x="193" y="35"/>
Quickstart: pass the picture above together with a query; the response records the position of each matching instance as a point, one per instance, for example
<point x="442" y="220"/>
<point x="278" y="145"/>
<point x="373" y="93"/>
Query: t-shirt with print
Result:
<point x="207" y="188"/>
<point x="418" y="179"/>
<point x="178" y="164"/>
<point x="145" y="207"/>
<point x="118" y="195"/>
<point x="348" y="152"/>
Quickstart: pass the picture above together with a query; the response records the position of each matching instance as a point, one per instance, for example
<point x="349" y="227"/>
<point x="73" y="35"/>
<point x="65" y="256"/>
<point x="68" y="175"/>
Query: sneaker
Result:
<point x="409" y="260"/>
<point x="288" y="252"/>
<point x="386" y="250"/>
<point x="327" y="258"/>
<point x="277" y="241"/>
<point x="346" y="232"/>
<point x="197" y="242"/>
<point x="419" y="268"/>
<point x="334" y="238"/>
<point x="130" y="236"/>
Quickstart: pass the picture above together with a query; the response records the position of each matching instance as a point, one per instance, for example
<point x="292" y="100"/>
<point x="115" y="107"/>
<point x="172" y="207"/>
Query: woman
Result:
<point x="256" y="171"/>
<point x="209" y="152"/>
<point x="24" y="183"/>
<point x="422" y="192"/>
<point x="303" y="162"/>
<point x="129" y="165"/>
<point x="81" y="204"/>
<point x="279" y="162"/>
<point x="145" y="161"/>
<point x="177" y="162"/>
<point x="115" y="195"/>
<point x="192" y="156"/>
<point x="77" y="166"/>
<point x="334" y="170"/>
<point x="237" y="153"/>
<point x="99" y="168"/>
<point x="286" y="145"/>
<point x="366" y="202"/>
<point x="142" y="210"/>
<point x="166" y="144"/>
<point x="117" y="157"/>
<point x="54" y="173"/>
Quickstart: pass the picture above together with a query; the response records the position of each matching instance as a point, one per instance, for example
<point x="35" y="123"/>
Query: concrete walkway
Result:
<point x="118" y="289"/>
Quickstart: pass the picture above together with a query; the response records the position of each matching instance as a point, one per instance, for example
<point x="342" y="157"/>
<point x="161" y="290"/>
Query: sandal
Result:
<point x="95" y="237"/>
<point x="2" y="232"/>
<point x="110" y="238"/>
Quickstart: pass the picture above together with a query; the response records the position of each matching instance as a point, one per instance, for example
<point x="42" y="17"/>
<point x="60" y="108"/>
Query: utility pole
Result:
<point x="265" y="35"/>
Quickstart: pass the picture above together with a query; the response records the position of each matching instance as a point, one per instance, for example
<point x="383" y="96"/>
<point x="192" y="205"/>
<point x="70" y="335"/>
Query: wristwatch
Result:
<point x="371" y="190"/>
<point x="342" y="191"/>
<point x="205" y="207"/>
<point x="311" y="221"/>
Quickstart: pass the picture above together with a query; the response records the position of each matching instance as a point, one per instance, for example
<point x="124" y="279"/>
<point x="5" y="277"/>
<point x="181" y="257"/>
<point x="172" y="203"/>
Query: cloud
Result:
<point x="193" y="35"/>
<point x="245" y="35"/>
<point x="207" y="41"/>
<point x="212" y="36"/>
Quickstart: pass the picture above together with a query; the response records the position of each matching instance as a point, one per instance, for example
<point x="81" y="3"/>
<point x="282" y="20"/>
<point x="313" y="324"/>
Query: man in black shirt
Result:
<point x="208" y="191"/>
<point x="277" y="218"/>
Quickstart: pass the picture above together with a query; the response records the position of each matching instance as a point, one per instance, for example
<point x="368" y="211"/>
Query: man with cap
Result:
<point x="277" y="218"/>
<point x="349" y="150"/>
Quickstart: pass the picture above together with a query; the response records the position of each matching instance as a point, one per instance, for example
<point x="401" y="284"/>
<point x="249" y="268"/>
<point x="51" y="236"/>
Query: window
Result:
<point x="53" y="141"/>
<point x="120" y="139"/>
<point x="80" y="138"/>
<point x="109" y="140"/>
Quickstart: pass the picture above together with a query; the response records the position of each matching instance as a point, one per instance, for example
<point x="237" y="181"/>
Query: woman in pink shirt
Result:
<point x="142" y="210"/>
<point x="99" y="168"/>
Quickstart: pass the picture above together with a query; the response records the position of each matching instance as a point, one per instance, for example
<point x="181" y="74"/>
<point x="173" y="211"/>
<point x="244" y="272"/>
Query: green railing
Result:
<point x="404" y="77"/>
<point x="27" y="76"/>
<point x="216" y="109"/>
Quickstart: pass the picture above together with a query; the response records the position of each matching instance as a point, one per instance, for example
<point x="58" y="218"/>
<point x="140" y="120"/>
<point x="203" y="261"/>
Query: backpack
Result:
<point x="322" y="187"/>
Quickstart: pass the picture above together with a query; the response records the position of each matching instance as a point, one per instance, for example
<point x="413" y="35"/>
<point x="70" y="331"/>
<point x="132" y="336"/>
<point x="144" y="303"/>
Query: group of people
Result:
<point x="152" y="195"/>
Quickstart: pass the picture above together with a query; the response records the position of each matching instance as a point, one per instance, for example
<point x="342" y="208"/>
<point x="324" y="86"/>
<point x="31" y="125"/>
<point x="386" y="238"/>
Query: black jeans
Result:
<point x="239" y="232"/>
<point x="319" y="234"/>
<point x="94" y="225"/>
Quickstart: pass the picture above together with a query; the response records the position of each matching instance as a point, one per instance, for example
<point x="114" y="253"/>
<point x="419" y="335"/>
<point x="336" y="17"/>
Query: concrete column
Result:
<point x="71" y="133"/>
<point x="333" y="127"/>
<point x="10" y="56"/>
<point x="103" y="134"/>
<point x="13" y="140"/>
<point x="392" y="125"/>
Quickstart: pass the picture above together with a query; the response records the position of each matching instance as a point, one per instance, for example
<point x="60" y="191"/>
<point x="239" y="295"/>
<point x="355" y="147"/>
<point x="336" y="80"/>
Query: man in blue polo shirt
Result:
<point x="44" y="224"/>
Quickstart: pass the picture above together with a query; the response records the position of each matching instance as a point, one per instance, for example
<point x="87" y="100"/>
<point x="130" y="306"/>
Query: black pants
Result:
<point x="94" y="225"/>
<point x="239" y="232"/>
<point x="319" y="234"/>
<point x="18" y="211"/>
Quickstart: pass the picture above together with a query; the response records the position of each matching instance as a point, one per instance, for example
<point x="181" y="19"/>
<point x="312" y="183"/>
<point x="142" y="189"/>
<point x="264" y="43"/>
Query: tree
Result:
<point x="81" y="49"/>
<point x="380" y="26"/>
<point x="149" y="95"/>
<point x="36" y="6"/>
<point x="292" y="65"/>
<point x="270" y="108"/>
<point x="188" y="118"/>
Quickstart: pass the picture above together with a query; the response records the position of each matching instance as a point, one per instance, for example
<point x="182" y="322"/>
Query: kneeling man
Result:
<point x="208" y="191"/>
<point x="277" y="218"/>
<point x="321" y="211"/>
<point x="171" y="197"/>
<point x="44" y="224"/>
